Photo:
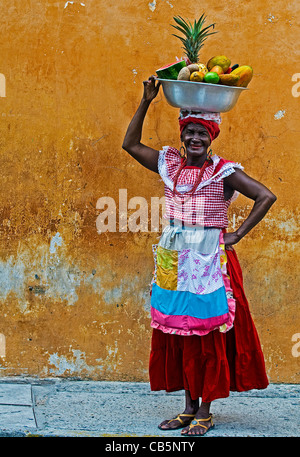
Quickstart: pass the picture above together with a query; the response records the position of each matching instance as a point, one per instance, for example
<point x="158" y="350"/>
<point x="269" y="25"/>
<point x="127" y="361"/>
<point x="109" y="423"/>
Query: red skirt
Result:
<point x="212" y="365"/>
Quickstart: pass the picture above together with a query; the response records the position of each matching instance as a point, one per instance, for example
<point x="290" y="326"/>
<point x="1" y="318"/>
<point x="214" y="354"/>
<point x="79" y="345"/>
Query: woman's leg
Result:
<point x="191" y="408"/>
<point x="190" y="404"/>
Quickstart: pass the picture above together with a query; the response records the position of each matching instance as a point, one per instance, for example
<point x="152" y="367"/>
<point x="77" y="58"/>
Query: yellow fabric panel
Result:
<point x="167" y="268"/>
<point x="223" y="257"/>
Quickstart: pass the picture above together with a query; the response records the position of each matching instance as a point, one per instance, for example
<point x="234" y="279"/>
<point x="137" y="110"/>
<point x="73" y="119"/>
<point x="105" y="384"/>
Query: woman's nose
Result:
<point x="196" y="136"/>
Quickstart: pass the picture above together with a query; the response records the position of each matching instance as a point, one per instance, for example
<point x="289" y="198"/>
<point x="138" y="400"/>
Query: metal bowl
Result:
<point x="191" y="95"/>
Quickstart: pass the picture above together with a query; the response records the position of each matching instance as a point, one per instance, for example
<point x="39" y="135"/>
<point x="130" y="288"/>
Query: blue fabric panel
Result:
<point x="183" y="303"/>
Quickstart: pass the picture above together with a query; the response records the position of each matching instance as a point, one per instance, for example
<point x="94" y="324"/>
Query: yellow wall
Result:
<point x="75" y="302"/>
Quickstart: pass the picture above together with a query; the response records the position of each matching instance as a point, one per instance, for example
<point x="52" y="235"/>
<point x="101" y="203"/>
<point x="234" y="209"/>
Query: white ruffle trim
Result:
<point x="226" y="170"/>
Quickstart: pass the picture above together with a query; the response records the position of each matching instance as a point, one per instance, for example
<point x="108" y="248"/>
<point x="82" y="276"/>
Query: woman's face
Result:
<point x="196" y="140"/>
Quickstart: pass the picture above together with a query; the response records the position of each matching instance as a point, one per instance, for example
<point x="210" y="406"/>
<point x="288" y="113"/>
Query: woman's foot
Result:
<point x="199" y="425"/>
<point x="177" y="422"/>
<point x="191" y="407"/>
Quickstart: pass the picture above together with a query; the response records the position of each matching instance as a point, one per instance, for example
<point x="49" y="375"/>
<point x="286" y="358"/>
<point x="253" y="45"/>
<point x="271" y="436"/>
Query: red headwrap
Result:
<point x="211" y="126"/>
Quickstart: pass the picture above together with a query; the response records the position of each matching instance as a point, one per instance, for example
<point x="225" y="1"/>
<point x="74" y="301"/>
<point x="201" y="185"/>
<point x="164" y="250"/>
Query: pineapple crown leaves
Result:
<point x="193" y="35"/>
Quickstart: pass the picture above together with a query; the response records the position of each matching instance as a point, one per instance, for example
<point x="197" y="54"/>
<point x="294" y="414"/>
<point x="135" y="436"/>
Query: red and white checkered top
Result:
<point x="207" y="206"/>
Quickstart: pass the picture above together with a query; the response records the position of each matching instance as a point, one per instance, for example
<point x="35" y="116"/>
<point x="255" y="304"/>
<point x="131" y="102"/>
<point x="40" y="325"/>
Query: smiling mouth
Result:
<point x="196" y="146"/>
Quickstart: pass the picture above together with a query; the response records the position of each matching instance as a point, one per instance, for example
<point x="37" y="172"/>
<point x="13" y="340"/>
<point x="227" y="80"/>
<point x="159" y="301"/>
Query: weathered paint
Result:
<point x="73" y="301"/>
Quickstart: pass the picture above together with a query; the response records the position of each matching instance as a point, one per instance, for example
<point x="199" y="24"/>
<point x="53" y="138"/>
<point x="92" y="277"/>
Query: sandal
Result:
<point x="178" y="418"/>
<point x="196" y="423"/>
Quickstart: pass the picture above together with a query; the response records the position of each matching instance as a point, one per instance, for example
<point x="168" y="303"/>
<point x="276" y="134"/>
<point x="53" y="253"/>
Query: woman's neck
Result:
<point x="196" y="161"/>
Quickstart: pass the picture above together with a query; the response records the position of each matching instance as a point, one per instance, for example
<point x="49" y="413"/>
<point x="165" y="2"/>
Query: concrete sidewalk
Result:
<point x="68" y="408"/>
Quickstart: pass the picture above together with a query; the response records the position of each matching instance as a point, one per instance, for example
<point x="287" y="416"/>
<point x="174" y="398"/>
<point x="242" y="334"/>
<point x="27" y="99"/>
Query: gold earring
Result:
<point x="182" y="152"/>
<point x="209" y="154"/>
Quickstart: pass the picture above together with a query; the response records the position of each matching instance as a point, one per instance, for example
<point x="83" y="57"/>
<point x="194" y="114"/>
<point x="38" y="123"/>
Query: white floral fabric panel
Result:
<point x="199" y="273"/>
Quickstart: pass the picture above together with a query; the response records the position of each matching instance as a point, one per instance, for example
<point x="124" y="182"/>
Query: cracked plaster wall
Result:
<point x="75" y="302"/>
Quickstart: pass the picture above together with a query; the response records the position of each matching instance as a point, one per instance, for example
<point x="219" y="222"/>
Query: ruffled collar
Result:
<point x="219" y="169"/>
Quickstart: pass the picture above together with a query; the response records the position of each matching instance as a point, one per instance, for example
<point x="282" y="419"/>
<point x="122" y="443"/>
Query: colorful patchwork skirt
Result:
<point x="204" y="339"/>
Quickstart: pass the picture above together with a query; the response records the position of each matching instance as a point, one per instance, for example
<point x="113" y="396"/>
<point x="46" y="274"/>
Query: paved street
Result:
<point x="64" y="408"/>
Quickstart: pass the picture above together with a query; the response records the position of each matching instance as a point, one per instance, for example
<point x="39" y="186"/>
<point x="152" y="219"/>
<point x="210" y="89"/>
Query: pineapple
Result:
<point x="193" y="36"/>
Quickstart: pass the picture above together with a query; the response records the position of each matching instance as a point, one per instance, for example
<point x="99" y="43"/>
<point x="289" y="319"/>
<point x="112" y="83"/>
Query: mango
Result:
<point x="245" y="72"/>
<point x="197" y="76"/>
<point x="217" y="69"/>
<point x="222" y="61"/>
<point x="229" y="79"/>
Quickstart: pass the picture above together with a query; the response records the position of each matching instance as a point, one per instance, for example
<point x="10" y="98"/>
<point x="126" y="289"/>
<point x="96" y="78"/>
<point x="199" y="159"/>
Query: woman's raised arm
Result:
<point x="146" y="156"/>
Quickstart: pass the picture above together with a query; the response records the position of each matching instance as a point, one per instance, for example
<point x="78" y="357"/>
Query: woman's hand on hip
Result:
<point x="230" y="239"/>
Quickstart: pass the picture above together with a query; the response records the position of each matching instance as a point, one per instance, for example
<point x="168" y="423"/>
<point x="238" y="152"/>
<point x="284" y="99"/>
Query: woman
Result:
<point x="204" y="340"/>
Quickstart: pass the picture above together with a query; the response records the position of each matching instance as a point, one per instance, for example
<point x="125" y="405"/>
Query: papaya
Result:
<point x="222" y="61"/>
<point x="229" y="79"/>
<point x="245" y="72"/>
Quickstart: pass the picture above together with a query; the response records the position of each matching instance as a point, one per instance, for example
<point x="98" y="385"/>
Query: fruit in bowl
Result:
<point x="171" y="71"/>
<point x="197" y="76"/>
<point x="216" y="71"/>
<point x="193" y="39"/>
<point x="211" y="77"/>
<point x="220" y="61"/>
<point x="245" y="74"/>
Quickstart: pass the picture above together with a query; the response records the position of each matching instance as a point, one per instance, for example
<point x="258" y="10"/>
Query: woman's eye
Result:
<point x="192" y="133"/>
